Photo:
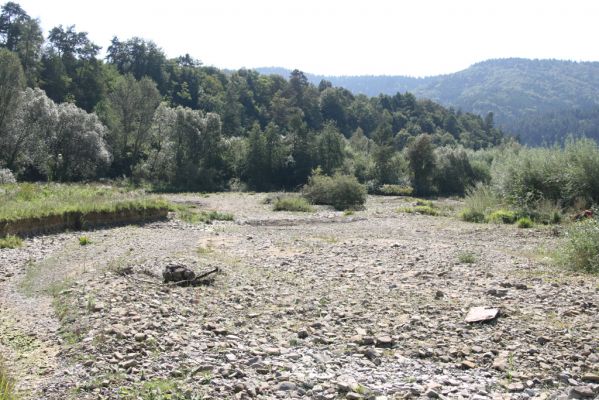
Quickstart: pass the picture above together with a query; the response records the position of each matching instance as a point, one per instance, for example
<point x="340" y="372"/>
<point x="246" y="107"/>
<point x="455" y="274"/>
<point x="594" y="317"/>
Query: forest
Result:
<point x="69" y="115"/>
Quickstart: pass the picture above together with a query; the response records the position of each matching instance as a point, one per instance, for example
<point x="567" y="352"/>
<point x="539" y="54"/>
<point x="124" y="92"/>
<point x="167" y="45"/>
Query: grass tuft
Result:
<point x="11" y="242"/>
<point x="467" y="257"/>
<point x="84" y="240"/>
<point x="502" y="217"/>
<point x="7" y="385"/>
<point x="190" y="216"/>
<point x="292" y="203"/>
<point x="524" y="222"/>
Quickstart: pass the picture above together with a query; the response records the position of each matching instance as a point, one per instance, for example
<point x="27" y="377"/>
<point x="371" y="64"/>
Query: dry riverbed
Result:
<point x="320" y="305"/>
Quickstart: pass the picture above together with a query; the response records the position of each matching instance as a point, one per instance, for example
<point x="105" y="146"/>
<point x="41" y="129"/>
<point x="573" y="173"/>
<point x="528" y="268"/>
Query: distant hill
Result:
<point x="539" y="100"/>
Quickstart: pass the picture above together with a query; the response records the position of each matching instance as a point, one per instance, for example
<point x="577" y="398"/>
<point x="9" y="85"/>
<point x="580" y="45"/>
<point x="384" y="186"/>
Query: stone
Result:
<point x="497" y="292"/>
<point x="515" y="387"/>
<point x="467" y="364"/>
<point x="481" y="314"/>
<point x="353" y="396"/>
<point x="582" y="392"/>
<point x="286" y="386"/>
<point x="592" y="378"/>
<point x="384" y="341"/>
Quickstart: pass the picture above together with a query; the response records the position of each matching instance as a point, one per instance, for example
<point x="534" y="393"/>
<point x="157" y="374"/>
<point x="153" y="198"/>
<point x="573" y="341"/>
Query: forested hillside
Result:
<point x="67" y="114"/>
<point x="538" y="100"/>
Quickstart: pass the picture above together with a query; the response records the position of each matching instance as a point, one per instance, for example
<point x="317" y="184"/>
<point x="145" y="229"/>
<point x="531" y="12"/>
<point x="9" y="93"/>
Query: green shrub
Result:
<point x="581" y="248"/>
<point x="502" y="217"/>
<point x="341" y="191"/>
<point x="190" y="216"/>
<point x="470" y="215"/>
<point x="84" y="241"/>
<point x="524" y="222"/>
<point x="10" y="242"/>
<point x="292" y="203"/>
<point x="467" y="257"/>
<point x="395" y="190"/>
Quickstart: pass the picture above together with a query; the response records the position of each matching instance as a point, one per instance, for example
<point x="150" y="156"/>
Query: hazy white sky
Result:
<point x="336" y="37"/>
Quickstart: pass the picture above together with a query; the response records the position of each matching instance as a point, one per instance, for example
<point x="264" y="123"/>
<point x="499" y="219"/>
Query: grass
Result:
<point x="7" y="385"/>
<point x="11" y="242"/>
<point x="157" y="389"/>
<point x="424" y="207"/>
<point x="84" y="240"/>
<point x="395" y="190"/>
<point x="524" y="222"/>
<point x="502" y="216"/>
<point x="580" y="251"/>
<point x="292" y="203"/>
<point x="33" y="200"/>
<point x="189" y="215"/>
<point x="467" y="257"/>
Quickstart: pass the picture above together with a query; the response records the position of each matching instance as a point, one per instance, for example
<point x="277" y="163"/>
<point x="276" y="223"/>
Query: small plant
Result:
<point x="292" y="203"/>
<point x="11" y="242"/>
<point x="524" y="222"/>
<point x="7" y="385"/>
<point x="467" y="257"/>
<point x="205" y="250"/>
<point x="502" y="217"/>
<point x="190" y="216"/>
<point x="348" y="213"/>
<point x="581" y="249"/>
<point x="470" y="215"/>
<point x="84" y="241"/>
<point x="426" y="210"/>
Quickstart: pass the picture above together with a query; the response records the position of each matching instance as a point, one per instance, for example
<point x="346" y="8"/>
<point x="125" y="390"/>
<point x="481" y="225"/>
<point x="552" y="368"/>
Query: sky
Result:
<point x="340" y="37"/>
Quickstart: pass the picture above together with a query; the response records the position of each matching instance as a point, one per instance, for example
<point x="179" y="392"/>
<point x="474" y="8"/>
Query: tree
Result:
<point x="128" y="112"/>
<point x="330" y="144"/>
<point x="422" y="163"/>
<point x="11" y="83"/>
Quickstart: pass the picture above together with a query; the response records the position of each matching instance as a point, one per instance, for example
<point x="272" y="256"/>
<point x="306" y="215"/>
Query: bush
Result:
<point x="340" y="191"/>
<point x="524" y="222"/>
<point x="426" y="210"/>
<point x="470" y="215"/>
<point x="502" y="217"/>
<point x="292" y="203"/>
<point x="395" y="190"/>
<point x="6" y="176"/>
<point x="581" y="249"/>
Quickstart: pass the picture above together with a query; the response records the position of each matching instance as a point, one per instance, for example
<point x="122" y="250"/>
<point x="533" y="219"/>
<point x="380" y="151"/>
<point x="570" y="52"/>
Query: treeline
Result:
<point x="66" y="114"/>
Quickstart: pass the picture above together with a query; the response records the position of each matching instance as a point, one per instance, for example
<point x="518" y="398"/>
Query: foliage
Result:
<point x="292" y="203"/>
<point x="395" y="190"/>
<point x="580" y="251"/>
<point x="502" y="217"/>
<point x="27" y="200"/>
<point x="479" y="202"/>
<point x="524" y="222"/>
<point x="6" y="176"/>
<point x="466" y="257"/>
<point x="10" y="242"/>
<point x="192" y="216"/>
<point x="341" y="191"/>
<point x="84" y="240"/>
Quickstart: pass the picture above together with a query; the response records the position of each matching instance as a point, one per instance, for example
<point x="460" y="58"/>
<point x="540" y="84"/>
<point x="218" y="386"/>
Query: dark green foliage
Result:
<point x="502" y="217"/>
<point x="395" y="190"/>
<point x="422" y="163"/>
<point x="341" y="191"/>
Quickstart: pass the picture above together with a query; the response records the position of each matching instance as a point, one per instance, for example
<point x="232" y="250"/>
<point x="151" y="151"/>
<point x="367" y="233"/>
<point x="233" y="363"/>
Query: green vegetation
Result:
<point x="292" y="203"/>
<point x="341" y="191"/>
<point x="193" y="216"/>
<point x="467" y="257"/>
<point x="157" y="389"/>
<point x="7" y="384"/>
<point x="524" y="222"/>
<point x="580" y="251"/>
<point x="84" y="241"/>
<point x="28" y="200"/>
<point x="502" y="217"/>
<point x="10" y="242"/>
<point x="395" y="190"/>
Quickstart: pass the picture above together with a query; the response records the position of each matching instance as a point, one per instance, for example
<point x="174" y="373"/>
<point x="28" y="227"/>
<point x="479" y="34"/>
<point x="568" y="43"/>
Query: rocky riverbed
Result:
<point x="324" y="305"/>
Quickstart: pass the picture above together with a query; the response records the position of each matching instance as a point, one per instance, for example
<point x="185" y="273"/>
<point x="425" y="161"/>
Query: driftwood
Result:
<point x="181" y="275"/>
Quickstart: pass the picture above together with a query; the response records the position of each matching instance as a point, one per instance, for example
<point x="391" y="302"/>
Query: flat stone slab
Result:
<point x="481" y="314"/>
